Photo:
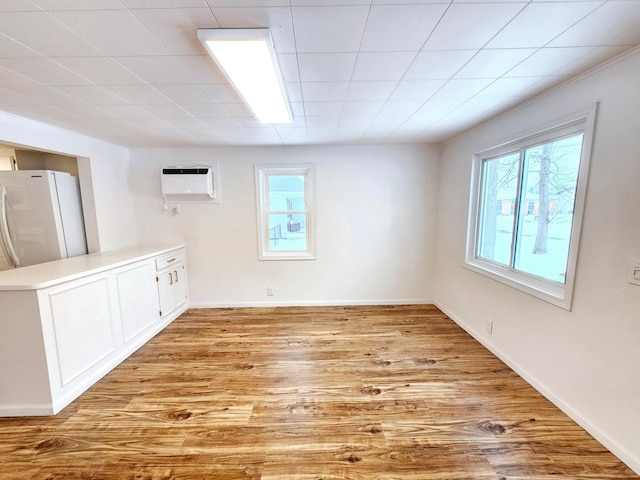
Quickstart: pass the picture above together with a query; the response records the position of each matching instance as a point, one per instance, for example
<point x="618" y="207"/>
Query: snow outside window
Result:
<point x="526" y="210"/>
<point x="285" y="212"/>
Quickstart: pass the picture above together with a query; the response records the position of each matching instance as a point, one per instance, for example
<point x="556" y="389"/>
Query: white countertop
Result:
<point x="48" y="274"/>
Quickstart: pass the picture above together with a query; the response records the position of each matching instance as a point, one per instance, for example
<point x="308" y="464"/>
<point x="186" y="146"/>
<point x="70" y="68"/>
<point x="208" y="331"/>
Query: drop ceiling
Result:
<point x="133" y="72"/>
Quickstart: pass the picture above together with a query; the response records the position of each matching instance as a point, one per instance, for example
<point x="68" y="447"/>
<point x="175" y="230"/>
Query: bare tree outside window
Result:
<point x="527" y="200"/>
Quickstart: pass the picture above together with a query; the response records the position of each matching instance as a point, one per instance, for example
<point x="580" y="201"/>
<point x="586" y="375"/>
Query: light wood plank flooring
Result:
<point x="395" y="392"/>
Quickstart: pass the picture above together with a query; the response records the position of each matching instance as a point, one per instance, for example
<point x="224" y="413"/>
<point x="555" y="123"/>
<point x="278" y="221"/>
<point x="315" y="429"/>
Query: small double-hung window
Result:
<point x="526" y="210"/>
<point x="286" y="223"/>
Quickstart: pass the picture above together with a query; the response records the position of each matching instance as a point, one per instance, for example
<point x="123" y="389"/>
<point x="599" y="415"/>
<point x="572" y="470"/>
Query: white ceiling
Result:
<point x="357" y="71"/>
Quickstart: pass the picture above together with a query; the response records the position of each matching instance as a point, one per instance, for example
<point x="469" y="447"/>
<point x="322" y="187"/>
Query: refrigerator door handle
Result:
<point x="7" y="244"/>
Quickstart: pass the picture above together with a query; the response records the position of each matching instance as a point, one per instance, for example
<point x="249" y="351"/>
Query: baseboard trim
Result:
<point x="311" y="303"/>
<point x="631" y="460"/>
<point x="27" y="410"/>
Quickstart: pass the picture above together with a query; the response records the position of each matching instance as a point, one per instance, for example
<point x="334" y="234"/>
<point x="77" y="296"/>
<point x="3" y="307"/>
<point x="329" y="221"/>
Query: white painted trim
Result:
<point x="582" y="121"/>
<point x="631" y="460"/>
<point x="27" y="410"/>
<point x="311" y="303"/>
<point x="262" y="210"/>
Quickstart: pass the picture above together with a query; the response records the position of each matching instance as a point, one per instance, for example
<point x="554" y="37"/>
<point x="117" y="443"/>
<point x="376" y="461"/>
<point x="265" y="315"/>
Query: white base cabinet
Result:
<point x="172" y="282"/>
<point x="60" y="337"/>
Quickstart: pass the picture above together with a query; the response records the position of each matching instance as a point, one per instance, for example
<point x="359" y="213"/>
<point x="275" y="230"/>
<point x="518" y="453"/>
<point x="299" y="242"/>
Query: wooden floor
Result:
<point x="308" y="393"/>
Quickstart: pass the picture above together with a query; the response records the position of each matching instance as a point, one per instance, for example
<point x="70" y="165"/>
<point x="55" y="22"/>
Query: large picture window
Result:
<point x="285" y="212"/>
<point x="526" y="210"/>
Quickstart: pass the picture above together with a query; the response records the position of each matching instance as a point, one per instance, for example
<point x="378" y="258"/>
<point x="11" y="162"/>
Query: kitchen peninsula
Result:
<point x="67" y="323"/>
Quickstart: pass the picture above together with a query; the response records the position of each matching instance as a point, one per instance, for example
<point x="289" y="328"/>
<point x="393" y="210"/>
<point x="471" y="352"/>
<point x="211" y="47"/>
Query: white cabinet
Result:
<point x="81" y="333"/>
<point x="138" y="298"/>
<point x="58" y="336"/>
<point x="172" y="282"/>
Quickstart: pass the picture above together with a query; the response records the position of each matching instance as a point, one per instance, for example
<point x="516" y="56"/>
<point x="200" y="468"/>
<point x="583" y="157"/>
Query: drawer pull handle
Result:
<point x="172" y="260"/>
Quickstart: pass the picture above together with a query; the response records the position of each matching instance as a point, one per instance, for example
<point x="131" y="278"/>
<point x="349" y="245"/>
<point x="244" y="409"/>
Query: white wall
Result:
<point x="103" y="169"/>
<point x="375" y="216"/>
<point x="586" y="360"/>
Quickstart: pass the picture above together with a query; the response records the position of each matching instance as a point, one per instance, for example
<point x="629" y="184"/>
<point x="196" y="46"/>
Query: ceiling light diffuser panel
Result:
<point x="248" y="59"/>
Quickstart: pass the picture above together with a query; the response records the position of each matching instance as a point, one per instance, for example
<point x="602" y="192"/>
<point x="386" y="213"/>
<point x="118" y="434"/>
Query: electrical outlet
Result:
<point x="634" y="273"/>
<point x="488" y="326"/>
<point x="270" y="291"/>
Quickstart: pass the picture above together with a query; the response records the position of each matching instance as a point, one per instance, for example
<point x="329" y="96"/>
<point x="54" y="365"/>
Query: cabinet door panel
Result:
<point x="165" y="292"/>
<point x="179" y="287"/>
<point x="82" y="327"/>
<point x="138" y="299"/>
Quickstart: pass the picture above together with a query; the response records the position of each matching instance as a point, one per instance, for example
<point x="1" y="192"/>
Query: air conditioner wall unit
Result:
<point x="187" y="183"/>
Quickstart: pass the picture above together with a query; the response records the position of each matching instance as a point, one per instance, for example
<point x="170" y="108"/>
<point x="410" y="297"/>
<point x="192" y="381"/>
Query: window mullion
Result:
<point x="516" y="210"/>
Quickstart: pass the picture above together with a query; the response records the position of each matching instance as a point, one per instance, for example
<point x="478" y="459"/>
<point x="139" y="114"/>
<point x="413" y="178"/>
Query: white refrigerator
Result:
<point x="40" y="217"/>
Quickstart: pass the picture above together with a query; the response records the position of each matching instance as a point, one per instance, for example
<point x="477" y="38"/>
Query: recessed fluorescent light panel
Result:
<point x="248" y="59"/>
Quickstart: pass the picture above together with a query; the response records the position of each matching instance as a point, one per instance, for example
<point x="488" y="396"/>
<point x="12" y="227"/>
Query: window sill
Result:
<point x="558" y="295"/>
<point x="287" y="256"/>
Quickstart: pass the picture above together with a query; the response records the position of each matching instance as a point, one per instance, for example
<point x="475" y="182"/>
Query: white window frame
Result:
<point x="547" y="290"/>
<point x="262" y="172"/>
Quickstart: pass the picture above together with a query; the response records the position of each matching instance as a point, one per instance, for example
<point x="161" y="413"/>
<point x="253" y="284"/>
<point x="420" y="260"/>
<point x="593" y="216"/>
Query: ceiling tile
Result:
<point x="400" y="28"/>
<point x="186" y="94"/>
<point x="10" y="78"/>
<point x="17" y="6"/>
<point x="368" y="108"/>
<point x="494" y="63"/>
<point x="92" y="94"/>
<point x="223" y="93"/>
<point x="346" y="28"/>
<point x="294" y="92"/>
<point x="202" y="68"/>
<point x="277" y="19"/>
<point x="289" y="67"/>
<point x="594" y="57"/>
<point x="237" y="110"/>
<point x="84" y="111"/>
<point x="166" y="111"/>
<point x="368" y="66"/>
<point x="139" y="94"/>
<point x="176" y="28"/>
<point x="44" y="71"/>
<point x="100" y="70"/>
<point x="162" y="3"/>
<point x="324" y="91"/>
<point x="323" y="108"/>
<point x="510" y="87"/>
<point x="362" y="71"/>
<point x="366" y="91"/>
<point x="430" y="65"/>
<point x="398" y="111"/>
<point x="462" y="89"/>
<point x="11" y="98"/>
<point x="539" y="23"/>
<point x="44" y="34"/>
<point x="321" y="3"/>
<point x="471" y="26"/>
<point x="248" y="3"/>
<point x="130" y="112"/>
<point x="9" y="48"/>
<point x="614" y="23"/>
<point x="416" y="89"/>
<point x="329" y="67"/>
<point x="547" y="61"/>
<point x="157" y="70"/>
<point x="114" y="32"/>
<point x="210" y="110"/>
<point x="45" y="95"/>
<point x="78" y="4"/>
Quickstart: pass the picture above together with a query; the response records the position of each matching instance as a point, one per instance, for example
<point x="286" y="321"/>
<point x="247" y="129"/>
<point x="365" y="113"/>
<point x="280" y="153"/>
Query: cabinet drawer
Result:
<point x="170" y="259"/>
